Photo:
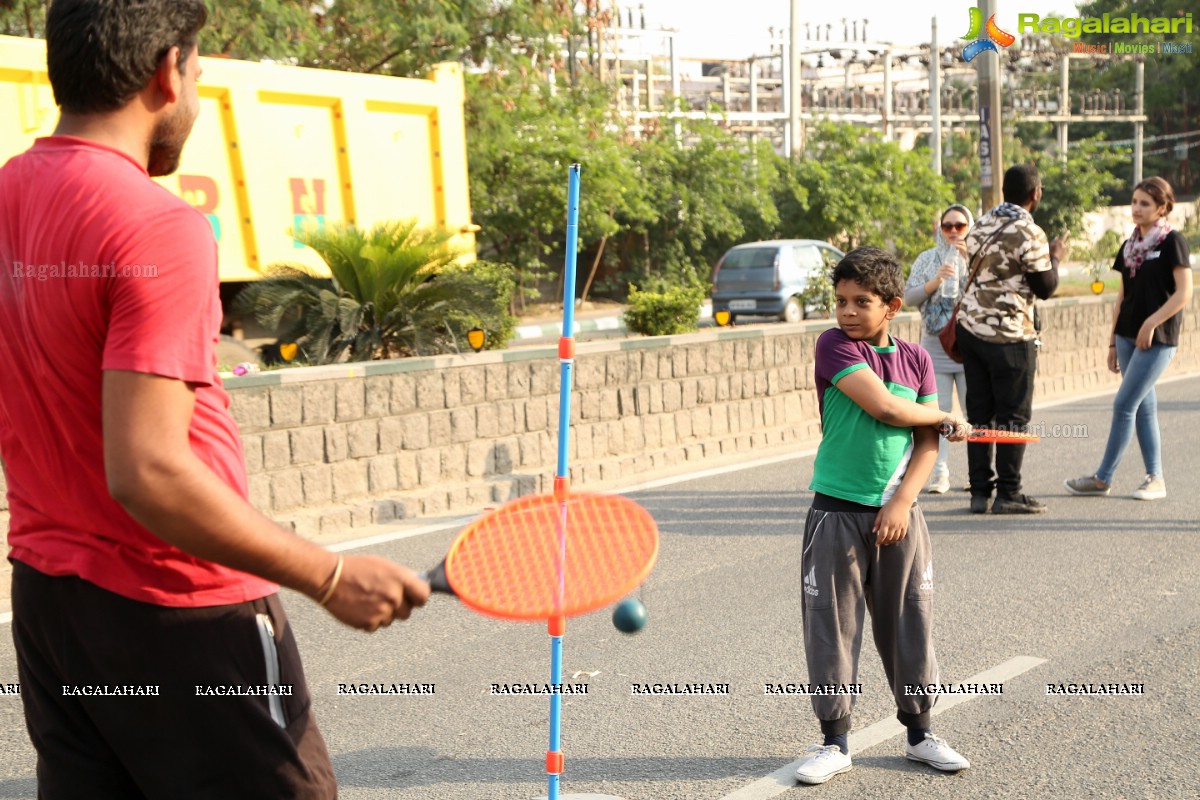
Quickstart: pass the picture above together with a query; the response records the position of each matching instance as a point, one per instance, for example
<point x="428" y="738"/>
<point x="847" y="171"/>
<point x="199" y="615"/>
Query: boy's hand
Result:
<point x="891" y="523"/>
<point x="954" y="428"/>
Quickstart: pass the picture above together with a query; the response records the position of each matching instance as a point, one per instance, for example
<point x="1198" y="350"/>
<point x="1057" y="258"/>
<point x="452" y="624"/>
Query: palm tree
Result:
<point x="396" y="290"/>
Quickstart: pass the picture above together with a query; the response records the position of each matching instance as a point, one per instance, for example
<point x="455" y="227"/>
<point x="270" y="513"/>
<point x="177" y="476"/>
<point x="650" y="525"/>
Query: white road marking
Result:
<point x="392" y="536"/>
<point x="709" y="473"/>
<point x="784" y="778"/>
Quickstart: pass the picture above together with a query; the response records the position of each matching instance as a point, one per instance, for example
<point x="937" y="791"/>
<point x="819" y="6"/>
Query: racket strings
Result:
<point x="996" y="435"/>
<point x="510" y="563"/>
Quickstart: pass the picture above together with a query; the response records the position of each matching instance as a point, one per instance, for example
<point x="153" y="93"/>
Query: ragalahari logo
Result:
<point x="994" y="36"/>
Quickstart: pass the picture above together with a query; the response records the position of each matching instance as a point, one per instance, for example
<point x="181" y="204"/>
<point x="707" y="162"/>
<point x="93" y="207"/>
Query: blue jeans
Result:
<point x="1136" y="406"/>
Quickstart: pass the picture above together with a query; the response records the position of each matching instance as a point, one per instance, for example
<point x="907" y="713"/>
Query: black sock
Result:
<point x="917" y="735"/>
<point x="842" y="740"/>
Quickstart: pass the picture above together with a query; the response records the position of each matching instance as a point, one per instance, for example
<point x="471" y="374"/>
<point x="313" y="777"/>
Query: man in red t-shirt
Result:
<point x="138" y="563"/>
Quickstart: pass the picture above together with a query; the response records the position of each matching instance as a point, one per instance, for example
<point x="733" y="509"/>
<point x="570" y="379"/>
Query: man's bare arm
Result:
<point x="153" y="473"/>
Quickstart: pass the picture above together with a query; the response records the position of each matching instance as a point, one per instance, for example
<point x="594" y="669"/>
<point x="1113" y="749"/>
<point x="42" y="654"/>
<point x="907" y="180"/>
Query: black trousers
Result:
<point x="999" y="395"/>
<point x="132" y="701"/>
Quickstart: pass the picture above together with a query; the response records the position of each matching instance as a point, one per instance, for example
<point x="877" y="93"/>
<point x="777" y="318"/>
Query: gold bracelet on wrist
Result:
<point x="333" y="582"/>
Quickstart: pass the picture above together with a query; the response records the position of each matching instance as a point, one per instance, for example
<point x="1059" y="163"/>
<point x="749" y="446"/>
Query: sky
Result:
<point x="736" y="29"/>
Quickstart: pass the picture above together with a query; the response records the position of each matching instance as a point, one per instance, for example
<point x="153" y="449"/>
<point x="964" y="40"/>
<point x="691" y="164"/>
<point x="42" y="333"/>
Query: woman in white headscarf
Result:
<point x="933" y="289"/>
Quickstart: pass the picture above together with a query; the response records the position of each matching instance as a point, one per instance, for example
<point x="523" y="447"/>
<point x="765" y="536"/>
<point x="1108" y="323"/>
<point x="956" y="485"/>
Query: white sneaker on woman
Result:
<point x="939" y="484"/>
<point x="1152" y="488"/>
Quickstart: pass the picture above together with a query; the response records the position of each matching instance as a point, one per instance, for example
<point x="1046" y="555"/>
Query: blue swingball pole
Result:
<point x="557" y="624"/>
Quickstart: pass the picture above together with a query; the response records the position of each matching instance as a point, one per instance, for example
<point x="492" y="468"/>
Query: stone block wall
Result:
<point x="331" y="448"/>
<point x="334" y="447"/>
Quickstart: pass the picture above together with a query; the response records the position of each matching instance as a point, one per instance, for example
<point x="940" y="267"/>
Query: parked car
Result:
<point x="767" y="278"/>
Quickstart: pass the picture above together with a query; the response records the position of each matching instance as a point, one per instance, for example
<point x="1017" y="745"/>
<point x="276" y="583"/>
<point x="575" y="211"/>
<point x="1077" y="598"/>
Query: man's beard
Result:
<point x="166" y="144"/>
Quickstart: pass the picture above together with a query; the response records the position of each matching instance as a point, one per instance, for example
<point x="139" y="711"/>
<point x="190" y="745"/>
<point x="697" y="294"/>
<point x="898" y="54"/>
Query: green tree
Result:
<point x="523" y="132"/>
<point x="23" y="17"/>
<point x="861" y="190"/>
<point x="1083" y="183"/>
<point x="280" y="30"/>
<point x="407" y="37"/>
<point x="1070" y="189"/>
<point x="389" y="37"/>
<point x="1172" y="96"/>
<point x="705" y="198"/>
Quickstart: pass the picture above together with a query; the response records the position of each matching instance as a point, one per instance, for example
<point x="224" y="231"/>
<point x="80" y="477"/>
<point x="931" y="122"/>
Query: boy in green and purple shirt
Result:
<point x="866" y="546"/>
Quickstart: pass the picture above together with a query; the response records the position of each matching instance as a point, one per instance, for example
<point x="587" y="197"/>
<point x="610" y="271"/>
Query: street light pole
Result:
<point x="935" y="97"/>
<point x="991" y="162"/>
<point x="1140" y="108"/>
<point x="795" y="125"/>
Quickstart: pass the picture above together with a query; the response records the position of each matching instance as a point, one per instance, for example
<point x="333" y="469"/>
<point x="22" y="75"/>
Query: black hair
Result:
<point x="875" y="270"/>
<point x="1020" y="182"/>
<point x="100" y="53"/>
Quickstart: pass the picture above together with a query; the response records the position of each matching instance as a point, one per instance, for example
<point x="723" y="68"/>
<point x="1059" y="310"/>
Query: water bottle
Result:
<point x="949" y="287"/>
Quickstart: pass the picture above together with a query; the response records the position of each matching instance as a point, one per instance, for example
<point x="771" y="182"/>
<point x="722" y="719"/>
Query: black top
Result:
<point x="1147" y="290"/>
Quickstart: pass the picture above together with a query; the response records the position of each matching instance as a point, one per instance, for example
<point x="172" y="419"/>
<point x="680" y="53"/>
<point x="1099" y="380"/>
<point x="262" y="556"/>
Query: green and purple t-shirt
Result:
<point x="861" y="459"/>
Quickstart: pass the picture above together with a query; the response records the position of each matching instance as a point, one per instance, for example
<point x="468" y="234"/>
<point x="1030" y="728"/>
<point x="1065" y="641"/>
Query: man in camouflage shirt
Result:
<point x="997" y="336"/>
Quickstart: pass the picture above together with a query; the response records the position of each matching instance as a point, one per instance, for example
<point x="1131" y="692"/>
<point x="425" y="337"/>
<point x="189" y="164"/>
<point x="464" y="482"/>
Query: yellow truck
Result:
<point x="279" y="148"/>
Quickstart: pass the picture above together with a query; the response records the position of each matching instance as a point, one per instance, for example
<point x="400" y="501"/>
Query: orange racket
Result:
<point x="989" y="436"/>
<point x="538" y="558"/>
<point x="992" y="436"/>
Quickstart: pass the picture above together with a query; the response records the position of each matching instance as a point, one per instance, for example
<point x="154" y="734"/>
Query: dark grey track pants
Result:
<point x="844" y="574"/>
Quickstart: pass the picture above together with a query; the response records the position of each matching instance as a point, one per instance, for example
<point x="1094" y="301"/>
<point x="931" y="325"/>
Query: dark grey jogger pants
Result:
<point x="845" y="573"/>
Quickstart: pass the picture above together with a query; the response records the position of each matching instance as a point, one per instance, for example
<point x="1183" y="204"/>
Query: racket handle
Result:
<point x="436" y="578"/>
<point x="945" y="429"/>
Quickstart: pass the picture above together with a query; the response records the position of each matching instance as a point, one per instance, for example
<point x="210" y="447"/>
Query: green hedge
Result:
<point x="675" y="310"/>
<point x="497" y="281"/>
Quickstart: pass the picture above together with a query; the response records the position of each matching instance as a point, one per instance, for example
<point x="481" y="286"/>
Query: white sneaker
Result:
<point x="826" y="761"/>
<point x="935" y="752"/>
<point x="1152" y="488"/>
<point x="939" y="484"/>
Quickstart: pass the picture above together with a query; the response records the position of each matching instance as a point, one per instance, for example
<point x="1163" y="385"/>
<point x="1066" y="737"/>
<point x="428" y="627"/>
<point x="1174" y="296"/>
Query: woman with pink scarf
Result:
<point x="1156" y="285"/>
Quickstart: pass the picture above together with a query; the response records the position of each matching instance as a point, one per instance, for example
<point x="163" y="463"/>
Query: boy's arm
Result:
<point x="891" y="523"/>
<point x="865" y="388"/>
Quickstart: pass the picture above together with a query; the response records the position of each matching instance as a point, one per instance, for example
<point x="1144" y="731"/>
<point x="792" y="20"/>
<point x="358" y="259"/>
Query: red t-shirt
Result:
<point x="104" y="269"/>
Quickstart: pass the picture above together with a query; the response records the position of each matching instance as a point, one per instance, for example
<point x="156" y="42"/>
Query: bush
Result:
<point x="498" y="283"/>
<point x="1191" y="231"/>
<point x="1099" y="256"/>
<point x="819" y="293"/>
<point x="665" y="313"/>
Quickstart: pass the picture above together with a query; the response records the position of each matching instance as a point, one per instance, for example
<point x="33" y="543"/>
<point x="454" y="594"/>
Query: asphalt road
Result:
<point x="1098" y="590"/>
